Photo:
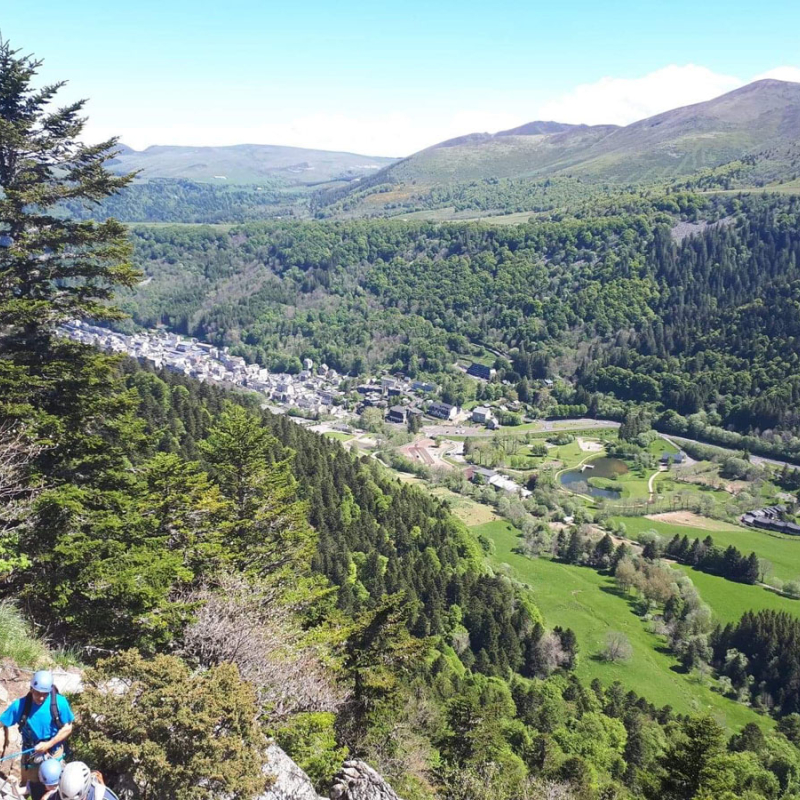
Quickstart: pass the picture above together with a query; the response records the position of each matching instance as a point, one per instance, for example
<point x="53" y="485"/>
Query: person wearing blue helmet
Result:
<point x="49" y="774"/>
<point x="44" y="718"/>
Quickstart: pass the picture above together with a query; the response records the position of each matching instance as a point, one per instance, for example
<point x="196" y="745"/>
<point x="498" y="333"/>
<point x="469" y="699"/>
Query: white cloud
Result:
<point x="781" y="74"/>
<point x="610" y="100"/>
<point x="620" y="101"/>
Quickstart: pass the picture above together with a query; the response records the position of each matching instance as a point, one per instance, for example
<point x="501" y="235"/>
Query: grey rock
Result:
<point x="358" y="781"/>
<point x="291" y="783"/>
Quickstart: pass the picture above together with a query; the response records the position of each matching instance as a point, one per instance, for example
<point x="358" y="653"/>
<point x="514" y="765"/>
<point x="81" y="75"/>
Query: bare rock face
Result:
<point x="13" y="742"/>
<point x="291" y="783"/>
<point x="358" y="781"/>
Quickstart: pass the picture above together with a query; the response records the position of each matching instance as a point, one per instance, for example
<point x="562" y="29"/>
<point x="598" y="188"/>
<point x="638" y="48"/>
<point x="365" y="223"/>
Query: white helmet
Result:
<point x="75" y="781"/>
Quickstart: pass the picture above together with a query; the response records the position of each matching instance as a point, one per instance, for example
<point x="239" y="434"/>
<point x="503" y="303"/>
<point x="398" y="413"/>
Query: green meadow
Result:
<point x="729" y="600"/>
<point x="588" y="602"/>
<point x="339" y="435"/>
<point x="783" y="552"/>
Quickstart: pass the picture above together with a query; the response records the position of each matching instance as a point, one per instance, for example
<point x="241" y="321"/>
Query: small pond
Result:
<point x="578" y="481"/>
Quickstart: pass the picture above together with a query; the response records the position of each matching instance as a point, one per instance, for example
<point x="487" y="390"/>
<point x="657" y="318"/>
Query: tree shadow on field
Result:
<point x="631" y="600"/>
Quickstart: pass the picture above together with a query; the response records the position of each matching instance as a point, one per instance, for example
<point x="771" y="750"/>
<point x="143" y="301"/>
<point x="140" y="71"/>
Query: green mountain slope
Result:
<point x="758" y="124"/>
<point x="246" y="163"/>
<point x="757" y="117"/>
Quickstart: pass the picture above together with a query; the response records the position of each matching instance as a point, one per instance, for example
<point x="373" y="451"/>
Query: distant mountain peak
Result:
<point x="540" y="128"/>
<point x="758" y="121"/>
<point x="246" y="163"/>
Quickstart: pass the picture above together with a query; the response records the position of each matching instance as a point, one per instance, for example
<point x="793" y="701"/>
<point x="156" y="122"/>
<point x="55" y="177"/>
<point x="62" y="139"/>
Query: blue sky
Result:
<point x="389" y="78"/>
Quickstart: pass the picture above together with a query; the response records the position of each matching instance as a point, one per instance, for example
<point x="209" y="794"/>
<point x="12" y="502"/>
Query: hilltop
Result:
<point x="246" y="163"/>
<point x="750" y="133"/>
<point x="745" y="139"/>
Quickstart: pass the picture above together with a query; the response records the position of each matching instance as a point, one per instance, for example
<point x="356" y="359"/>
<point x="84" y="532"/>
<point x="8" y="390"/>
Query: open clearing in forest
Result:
<point x="339" y="435"/>
<point x="468" y="511"/>
<point x="588" y="602"/>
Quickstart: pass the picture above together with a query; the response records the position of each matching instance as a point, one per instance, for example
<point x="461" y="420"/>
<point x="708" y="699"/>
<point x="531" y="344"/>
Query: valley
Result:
<point x="476" y="470"/>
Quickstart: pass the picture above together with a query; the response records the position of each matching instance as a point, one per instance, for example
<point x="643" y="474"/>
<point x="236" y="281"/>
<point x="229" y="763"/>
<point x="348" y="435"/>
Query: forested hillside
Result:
<point x="398" y="646"/>
<point x="702" y="324"/>
<point x="178" y="200"/>
<point x="233" y="577"/>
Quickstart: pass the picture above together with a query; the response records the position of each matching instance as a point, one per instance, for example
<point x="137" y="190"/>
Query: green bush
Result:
<point x="173" y="733"/>
<point x="310" y="740"/>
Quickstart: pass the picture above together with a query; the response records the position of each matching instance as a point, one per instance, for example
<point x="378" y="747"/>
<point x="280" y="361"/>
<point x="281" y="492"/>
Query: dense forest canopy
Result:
<point x="708" y="323"/>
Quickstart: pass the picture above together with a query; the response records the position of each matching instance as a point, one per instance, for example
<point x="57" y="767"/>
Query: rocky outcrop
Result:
<point x="358" y="781"/>
<point x="291" y="783"/>
<point x="16" y="680"/>
<point x="354" y="781"/>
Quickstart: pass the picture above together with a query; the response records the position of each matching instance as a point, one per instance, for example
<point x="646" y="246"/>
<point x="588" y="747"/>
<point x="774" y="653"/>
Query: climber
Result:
<point x="44" y="726"/>
<point x="78" y="782"/>
<point x="49" y="773"/>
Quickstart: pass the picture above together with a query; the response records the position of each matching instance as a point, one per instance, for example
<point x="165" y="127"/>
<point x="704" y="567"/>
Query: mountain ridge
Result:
<point x="245" y="163"/>
<point x="759" y="121"/>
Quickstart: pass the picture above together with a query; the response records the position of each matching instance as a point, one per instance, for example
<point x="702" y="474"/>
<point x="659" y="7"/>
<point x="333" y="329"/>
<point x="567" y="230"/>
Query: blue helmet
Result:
<point x="50" y="771"/>
<point x="42" y="681"/>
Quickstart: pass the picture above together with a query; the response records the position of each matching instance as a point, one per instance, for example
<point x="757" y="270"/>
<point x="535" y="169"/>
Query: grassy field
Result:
<point x="729" y="600"/>
<point x="661" y="446"/>
<point x="633" y="485"/>
<point x="468" y="511"/>
<point x="590" y="604"/>
<point x="339" y="435"/>
<point x="782" y="551"/>
<point x="666" y="485"/>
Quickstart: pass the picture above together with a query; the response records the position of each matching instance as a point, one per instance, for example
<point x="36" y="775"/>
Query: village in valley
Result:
<point x="335" y="402"/>
<point x="405" y="424"/>
<point x="316" y="391"/>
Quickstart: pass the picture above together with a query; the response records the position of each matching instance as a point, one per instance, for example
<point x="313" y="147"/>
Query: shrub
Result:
<point x="172" y="733"/>
<point x="617" y="648"/>
<point x="17" y="642"/>
<point x="310" y="740"/>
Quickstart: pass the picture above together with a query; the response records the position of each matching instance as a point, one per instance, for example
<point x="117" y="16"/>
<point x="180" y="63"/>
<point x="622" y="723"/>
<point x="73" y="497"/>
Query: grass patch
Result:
<point x="660" y="446"/>
<point x="729" y="600"/>
<point x="17" y="641"/>
<point x="609" y="483"/>
<point x="338" y="435"/>
<point x="782" y="551"/>
<point x="468" y="511"/>
<point x="588" y="602"/>
<point x="633" y="484"/>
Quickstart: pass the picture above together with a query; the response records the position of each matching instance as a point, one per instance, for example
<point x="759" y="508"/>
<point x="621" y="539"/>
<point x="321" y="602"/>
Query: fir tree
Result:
<point x="51" y="268"/>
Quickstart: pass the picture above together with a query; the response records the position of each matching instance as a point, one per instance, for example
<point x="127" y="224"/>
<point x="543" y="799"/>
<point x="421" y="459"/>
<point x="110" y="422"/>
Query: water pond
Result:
<point x="578" y="481"/>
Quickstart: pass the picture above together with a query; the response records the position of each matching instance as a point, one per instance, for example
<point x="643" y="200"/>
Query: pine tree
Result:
<point x="52" y="269"/>
<point x="752" y="569"/>
<point x="575" y="548"/>
<point x="268" y="532"/>
<point x="690" y="761"/>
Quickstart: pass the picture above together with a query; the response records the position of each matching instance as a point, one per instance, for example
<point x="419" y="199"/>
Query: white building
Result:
<point x="481" y="415"/>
